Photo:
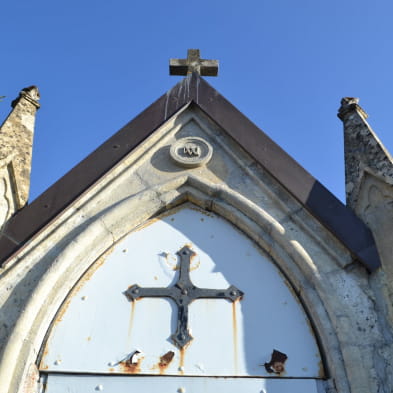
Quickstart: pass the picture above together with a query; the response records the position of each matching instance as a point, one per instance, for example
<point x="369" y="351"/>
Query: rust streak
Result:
<point x="235" y="335"/>
<point x="181" y="362"/>
<point x="131" y="322"/>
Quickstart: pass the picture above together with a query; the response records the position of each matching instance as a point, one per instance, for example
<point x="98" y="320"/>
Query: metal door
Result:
<point x="185" y="303"/>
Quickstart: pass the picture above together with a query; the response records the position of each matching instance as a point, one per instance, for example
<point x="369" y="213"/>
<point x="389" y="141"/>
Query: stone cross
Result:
<point x="193" y="63"/>
<point x="183" y="293"/>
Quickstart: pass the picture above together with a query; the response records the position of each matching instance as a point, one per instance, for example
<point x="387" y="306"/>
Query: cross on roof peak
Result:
<point x="193" y="63"/>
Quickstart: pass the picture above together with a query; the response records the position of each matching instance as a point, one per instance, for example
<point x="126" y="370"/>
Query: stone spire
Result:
<point x="364" y="152"/>
<point x="16" y="140"/>
<point x="369" y="187"/>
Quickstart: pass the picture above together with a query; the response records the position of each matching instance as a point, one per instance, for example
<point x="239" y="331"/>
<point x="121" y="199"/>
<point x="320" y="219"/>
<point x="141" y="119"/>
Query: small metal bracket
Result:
<point x="183" y="293"/>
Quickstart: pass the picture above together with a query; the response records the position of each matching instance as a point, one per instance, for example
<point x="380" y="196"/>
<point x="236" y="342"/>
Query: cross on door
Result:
<point x="183" y="293"/>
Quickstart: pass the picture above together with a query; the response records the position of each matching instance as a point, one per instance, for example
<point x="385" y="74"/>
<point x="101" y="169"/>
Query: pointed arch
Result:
<point x="87" y="243"/>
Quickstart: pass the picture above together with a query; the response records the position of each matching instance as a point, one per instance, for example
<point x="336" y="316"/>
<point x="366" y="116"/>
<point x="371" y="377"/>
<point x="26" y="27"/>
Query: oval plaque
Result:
<point x="191" y="152"/>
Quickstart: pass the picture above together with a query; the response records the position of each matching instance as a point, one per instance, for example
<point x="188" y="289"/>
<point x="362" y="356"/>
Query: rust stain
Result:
<point x="88" y="338"/>
<point x="277" y="363"/>
<point x="199" y="210"/>
<point x="181" y="362"/>
<point x="32" y="377"/>
<point x="321" y="369"/>
<point x="130" y="368"/>
<point x="146" y="224"/>
<point x="132" y="365"/>
<point x="165" y="361"/>
<point x="235" y="335"/>
<point x="131" y="322"/>
<point x="172" y="260"/>
<point x="192" y="259"/>
<point x="111" y="370"/>
<point x="172" y="264"/>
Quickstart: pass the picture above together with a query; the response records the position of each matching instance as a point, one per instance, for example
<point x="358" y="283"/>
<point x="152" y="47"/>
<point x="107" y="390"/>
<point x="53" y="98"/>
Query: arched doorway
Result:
<point x="247" y="331"/>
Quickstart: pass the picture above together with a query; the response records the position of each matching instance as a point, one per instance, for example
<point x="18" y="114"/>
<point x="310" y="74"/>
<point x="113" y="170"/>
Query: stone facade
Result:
<point x="16" y="141"/>
<point x="348" y="305"/>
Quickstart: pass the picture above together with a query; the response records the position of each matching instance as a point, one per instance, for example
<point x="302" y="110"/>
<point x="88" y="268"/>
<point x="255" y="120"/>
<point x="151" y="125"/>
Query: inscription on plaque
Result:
<point x="191" y="152"/>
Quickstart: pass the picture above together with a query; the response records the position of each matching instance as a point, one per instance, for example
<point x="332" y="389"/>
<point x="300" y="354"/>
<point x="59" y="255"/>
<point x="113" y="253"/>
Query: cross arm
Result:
<point x="135" y="292"/>
<point x="231" y="293"/>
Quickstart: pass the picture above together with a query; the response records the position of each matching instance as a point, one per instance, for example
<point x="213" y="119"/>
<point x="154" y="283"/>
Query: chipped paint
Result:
<point x="165" y="361"/>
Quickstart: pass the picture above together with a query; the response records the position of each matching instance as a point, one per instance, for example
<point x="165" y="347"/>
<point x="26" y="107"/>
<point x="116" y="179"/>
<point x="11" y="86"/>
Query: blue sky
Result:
<point x="285" y="64"/>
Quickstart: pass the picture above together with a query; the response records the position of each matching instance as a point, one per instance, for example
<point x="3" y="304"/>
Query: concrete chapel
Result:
<point x="190" y="253"/>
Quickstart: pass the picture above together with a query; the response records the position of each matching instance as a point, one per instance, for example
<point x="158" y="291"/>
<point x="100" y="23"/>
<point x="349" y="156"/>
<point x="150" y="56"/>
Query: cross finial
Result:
<point x="193" y="63"/>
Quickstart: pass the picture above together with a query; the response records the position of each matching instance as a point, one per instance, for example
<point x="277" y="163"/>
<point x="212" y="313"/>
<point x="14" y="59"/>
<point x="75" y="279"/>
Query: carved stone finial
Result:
<point x="348" y="105"/>
<point x="16" y="140"/>
<point x="31" y="94"/>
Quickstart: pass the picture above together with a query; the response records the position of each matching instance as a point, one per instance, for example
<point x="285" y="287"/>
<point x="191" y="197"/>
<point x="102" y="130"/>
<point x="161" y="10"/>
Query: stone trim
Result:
<point x="95" y="239"/>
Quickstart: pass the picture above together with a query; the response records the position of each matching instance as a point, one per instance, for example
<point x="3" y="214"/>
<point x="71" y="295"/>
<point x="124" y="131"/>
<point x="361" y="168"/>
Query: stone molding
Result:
<point x="96" y="238"/>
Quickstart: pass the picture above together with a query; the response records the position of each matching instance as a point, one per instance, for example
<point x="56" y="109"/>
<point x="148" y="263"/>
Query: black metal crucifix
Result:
<point x="183" y="293"/>
<point x="193" y="63"/>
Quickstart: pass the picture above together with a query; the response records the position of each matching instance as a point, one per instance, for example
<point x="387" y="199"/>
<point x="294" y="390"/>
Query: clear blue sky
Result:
<point x="285" y="64"/>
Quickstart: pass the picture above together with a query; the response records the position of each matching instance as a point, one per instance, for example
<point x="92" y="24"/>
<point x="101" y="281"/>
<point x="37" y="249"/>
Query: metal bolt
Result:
<point x="136" y="290"/>
<point x="125" y="250"/>
<point x="181" y="390"/>
<point x="182" y="337"/>
<point x="57" y="362"/>
<point x="184" y="291"/>
<point x="111" y="364"/>
<point x="181" y="368"/>
<point x="84" y="297"/>
<point x="100" y="387"/>
<point x="233" y="293"/>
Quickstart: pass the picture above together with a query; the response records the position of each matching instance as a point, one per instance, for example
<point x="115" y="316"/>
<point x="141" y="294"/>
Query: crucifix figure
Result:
<point x="193" y="63"/>
<point x="183" y="293"/>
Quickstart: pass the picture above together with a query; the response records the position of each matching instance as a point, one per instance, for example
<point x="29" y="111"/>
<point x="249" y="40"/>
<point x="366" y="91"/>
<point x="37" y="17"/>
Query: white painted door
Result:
<point x="148" y="317"/>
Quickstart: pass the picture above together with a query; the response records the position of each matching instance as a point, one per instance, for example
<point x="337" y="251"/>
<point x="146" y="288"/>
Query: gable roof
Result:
<point x="193" y="89"/>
